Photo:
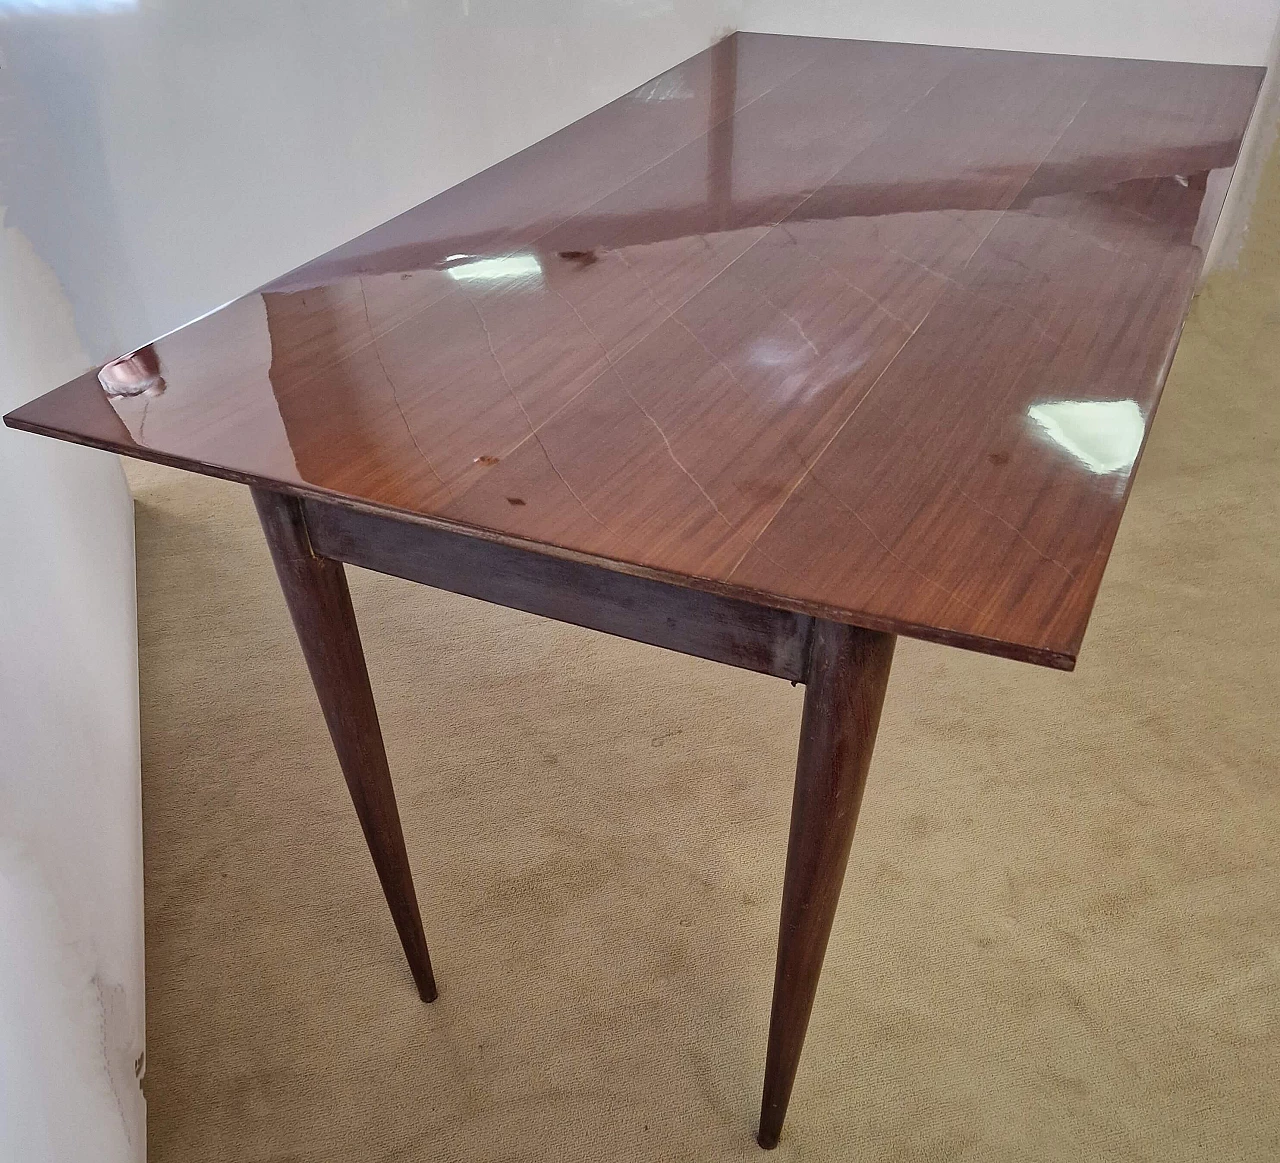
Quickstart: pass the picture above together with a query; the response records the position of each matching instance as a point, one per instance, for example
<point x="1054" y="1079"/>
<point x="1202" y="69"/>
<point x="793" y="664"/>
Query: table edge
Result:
<point x="1064" y="660"/>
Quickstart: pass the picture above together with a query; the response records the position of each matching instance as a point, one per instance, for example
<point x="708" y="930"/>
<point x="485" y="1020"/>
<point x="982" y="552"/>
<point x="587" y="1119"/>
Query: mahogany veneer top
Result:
<point x="871" y="331"/>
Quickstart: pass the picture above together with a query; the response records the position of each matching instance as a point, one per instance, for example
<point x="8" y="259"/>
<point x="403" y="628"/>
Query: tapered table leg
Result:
<point x="315" y="589"/>
<point x="848" y="669"/>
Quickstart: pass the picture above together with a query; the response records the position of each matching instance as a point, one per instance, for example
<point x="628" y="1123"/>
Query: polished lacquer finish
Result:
<point x="868" y="331"/>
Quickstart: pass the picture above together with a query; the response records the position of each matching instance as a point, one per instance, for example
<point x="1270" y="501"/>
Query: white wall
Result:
<point x="156" y="160"/>
<point x="1259" y="141"/>
<point x="71" y="988"/>
<point x="177" y="153"/>
<point x="1217" y="31"/>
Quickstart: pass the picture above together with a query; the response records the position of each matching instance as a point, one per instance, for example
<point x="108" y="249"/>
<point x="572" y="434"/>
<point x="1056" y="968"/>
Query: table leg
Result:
<point x="847" y="671"/>
<point x="315" y="589"/>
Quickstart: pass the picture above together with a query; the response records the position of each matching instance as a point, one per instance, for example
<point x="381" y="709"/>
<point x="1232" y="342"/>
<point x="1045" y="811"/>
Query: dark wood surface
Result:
<point x="688" y="621"/>
<point x="848" y="670"/>
<point x="871" y="332"/>
<point x="315" y="590"/>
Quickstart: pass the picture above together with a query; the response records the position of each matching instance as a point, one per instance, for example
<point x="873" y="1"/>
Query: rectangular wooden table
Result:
<point x="802" y="345"/>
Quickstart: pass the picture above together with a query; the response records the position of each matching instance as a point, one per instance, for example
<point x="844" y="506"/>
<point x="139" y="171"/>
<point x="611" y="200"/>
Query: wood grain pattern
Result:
<point x="315" y="589"/>
<point x="870" y="332"/>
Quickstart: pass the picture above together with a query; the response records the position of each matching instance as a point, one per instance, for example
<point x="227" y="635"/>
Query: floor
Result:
<point x="1060" y="934"/>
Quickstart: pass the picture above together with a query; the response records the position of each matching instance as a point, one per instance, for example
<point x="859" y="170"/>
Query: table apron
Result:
<point x="694" y="622"/>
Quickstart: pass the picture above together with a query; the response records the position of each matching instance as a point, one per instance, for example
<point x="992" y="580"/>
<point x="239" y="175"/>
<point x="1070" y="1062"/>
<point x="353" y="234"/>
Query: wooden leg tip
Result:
<point x="425" y="980"/>
<point x="767" y="1139"/>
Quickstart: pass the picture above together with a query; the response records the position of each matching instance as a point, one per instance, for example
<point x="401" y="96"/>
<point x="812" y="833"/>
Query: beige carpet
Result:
<point x="1060" y="934"/>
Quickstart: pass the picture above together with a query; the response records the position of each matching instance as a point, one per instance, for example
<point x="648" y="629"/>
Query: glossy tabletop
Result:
<point x="870" y="331"/>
